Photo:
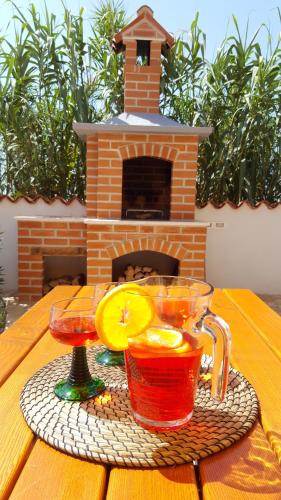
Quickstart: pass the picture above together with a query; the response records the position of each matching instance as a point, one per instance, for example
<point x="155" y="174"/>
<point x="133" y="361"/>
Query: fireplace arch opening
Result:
<point x="137" y="265"/>
<point x="146" y="188"/>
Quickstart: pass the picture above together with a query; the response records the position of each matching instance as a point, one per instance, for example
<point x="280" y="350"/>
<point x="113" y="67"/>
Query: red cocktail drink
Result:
<point x="74" y="331"/>
<point x="162" y="381"/>
<point x="72" y="322"/>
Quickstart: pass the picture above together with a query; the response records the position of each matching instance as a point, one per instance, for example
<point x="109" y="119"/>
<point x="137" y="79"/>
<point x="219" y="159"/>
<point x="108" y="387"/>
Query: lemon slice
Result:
<point x="159" y="339"/>
<point x="124" y="312"/>
<point x="185" y="347"/>
<point x="163" y="338"/>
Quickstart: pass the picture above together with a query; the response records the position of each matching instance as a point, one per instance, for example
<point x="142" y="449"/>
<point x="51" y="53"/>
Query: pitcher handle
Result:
<point x="219" y="331"/>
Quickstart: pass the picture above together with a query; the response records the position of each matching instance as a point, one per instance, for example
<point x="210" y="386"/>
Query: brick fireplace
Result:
<point x="141" y="179"/>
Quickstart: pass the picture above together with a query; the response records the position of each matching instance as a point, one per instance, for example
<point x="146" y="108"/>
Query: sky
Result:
<point x="177" y="15"/>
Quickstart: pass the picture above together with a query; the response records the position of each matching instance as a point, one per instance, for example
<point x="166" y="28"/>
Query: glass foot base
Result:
<point x="160" y="425"/>
<point x="110" y="358"/>
<point x="81" y="392"/>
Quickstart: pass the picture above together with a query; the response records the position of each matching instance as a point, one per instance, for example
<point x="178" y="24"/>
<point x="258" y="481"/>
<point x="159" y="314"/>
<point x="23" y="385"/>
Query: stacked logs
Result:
<point x="79" y="279"/>
<point x="132" y="273"/>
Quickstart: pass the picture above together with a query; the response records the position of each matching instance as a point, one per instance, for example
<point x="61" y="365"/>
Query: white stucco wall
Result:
<point x="244" y="253"/>
<point x="8" y="225"/>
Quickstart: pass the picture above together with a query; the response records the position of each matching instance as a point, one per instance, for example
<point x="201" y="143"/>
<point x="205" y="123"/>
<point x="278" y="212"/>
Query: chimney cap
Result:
<point x="145" y="13"/>
<point x="144" y="9"/>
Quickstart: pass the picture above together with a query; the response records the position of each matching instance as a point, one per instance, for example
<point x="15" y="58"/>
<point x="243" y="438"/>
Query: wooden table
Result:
<point x="29" y="468"/>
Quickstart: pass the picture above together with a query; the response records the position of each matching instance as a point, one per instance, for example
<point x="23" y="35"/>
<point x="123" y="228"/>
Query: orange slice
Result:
<point x="124" y="312"/>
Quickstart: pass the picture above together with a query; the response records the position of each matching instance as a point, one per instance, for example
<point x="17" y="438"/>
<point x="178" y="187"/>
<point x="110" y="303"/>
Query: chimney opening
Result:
<point x="143" y="53"/>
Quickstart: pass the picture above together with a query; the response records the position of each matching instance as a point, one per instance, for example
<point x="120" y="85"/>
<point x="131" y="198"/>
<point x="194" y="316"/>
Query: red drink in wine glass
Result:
<point x="75" y="331"/>
<point x="72" y="322"/>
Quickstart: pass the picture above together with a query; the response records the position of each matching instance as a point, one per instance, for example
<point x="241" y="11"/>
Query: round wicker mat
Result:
<point x="103" y="429"/>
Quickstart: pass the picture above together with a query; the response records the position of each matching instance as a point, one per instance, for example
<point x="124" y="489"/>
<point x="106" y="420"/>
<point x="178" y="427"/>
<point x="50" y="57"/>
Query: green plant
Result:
<point x="3" y="310"/>
<point x="45" y="86"/>
<point x="109" y="18"/>
<point x="242" y="158"/>
<point x="51" y="76"/>
<point x="238" y="94"/>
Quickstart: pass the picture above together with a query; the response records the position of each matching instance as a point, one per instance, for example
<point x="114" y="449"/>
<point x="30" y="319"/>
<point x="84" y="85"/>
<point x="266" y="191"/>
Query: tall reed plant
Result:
<point x="239" y="96"/>
<point x="241" y="101"/>
<point x="49" y="78"/>
<point x="53" y="75"/>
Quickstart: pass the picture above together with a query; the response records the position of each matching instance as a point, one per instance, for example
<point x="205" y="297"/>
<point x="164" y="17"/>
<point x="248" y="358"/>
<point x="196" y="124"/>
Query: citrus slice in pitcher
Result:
<point x="159" y="341"/>
<point x="124" y="312"/>
<point x="161" y="338"/>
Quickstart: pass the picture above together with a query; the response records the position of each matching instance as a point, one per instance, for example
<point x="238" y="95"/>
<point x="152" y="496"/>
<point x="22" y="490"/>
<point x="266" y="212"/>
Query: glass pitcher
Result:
<point x="163" y="363"/>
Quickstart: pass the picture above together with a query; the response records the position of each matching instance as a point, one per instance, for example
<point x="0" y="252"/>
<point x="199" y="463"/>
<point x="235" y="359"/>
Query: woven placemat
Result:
<point x="103" y="429"/>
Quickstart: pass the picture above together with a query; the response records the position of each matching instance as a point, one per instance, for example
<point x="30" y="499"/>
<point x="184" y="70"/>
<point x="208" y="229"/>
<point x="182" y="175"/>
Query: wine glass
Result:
<point x="108" y="357"/>
<point x="72" y="322"/>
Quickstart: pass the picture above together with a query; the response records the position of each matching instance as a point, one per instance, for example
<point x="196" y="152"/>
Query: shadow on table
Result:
<point x="249" y="465"/>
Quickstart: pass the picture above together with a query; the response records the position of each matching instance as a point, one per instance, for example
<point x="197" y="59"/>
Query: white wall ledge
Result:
<point x="137" y="222"/>
<point x="49" y="218"/>
<point x="115" y="222"/>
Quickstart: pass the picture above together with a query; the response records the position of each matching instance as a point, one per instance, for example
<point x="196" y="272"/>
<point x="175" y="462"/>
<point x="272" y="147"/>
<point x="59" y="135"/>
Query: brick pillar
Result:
<point x="142" y="41"/>
<point x="142" y="83"/>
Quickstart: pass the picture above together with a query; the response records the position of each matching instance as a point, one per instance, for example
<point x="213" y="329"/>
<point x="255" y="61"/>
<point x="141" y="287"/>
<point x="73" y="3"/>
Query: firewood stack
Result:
<point x="79" y="279"/>
<point x="132" y="273"/>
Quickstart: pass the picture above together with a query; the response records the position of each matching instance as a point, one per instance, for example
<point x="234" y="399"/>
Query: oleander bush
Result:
<point x="52" y="75"/>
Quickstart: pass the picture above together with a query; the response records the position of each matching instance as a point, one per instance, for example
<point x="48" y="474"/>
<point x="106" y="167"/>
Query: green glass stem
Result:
<point x="79" y="385"/>
<point x="110" y="358"/>
<point x="79" y="371"/>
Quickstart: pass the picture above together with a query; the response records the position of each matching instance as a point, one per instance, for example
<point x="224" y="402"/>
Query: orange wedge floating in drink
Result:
<point x="124" y="312"/>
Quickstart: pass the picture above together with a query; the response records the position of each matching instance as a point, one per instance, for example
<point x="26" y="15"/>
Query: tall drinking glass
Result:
<point x="72" y="322"/>
<point x="163" y="362"/>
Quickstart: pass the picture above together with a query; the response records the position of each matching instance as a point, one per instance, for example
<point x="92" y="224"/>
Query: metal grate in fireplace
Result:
<point x="146" y="188"/>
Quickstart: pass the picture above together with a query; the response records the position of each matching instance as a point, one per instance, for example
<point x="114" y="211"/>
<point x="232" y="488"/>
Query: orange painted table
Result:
<point x="250" y="469"/>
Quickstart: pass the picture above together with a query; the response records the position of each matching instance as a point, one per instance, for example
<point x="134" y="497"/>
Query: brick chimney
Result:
<point x="142" y="40"/>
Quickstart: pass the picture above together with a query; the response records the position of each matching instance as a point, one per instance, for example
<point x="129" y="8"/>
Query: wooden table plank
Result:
<point x="52" y="475"/>
<point x="177" y="483"/>
<point x="22" y="335"/>
<point x="15" y="436"/>
<point x="252" y="356"/>
<point x="266" y="321"/>
<point x="248" y="470"/>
